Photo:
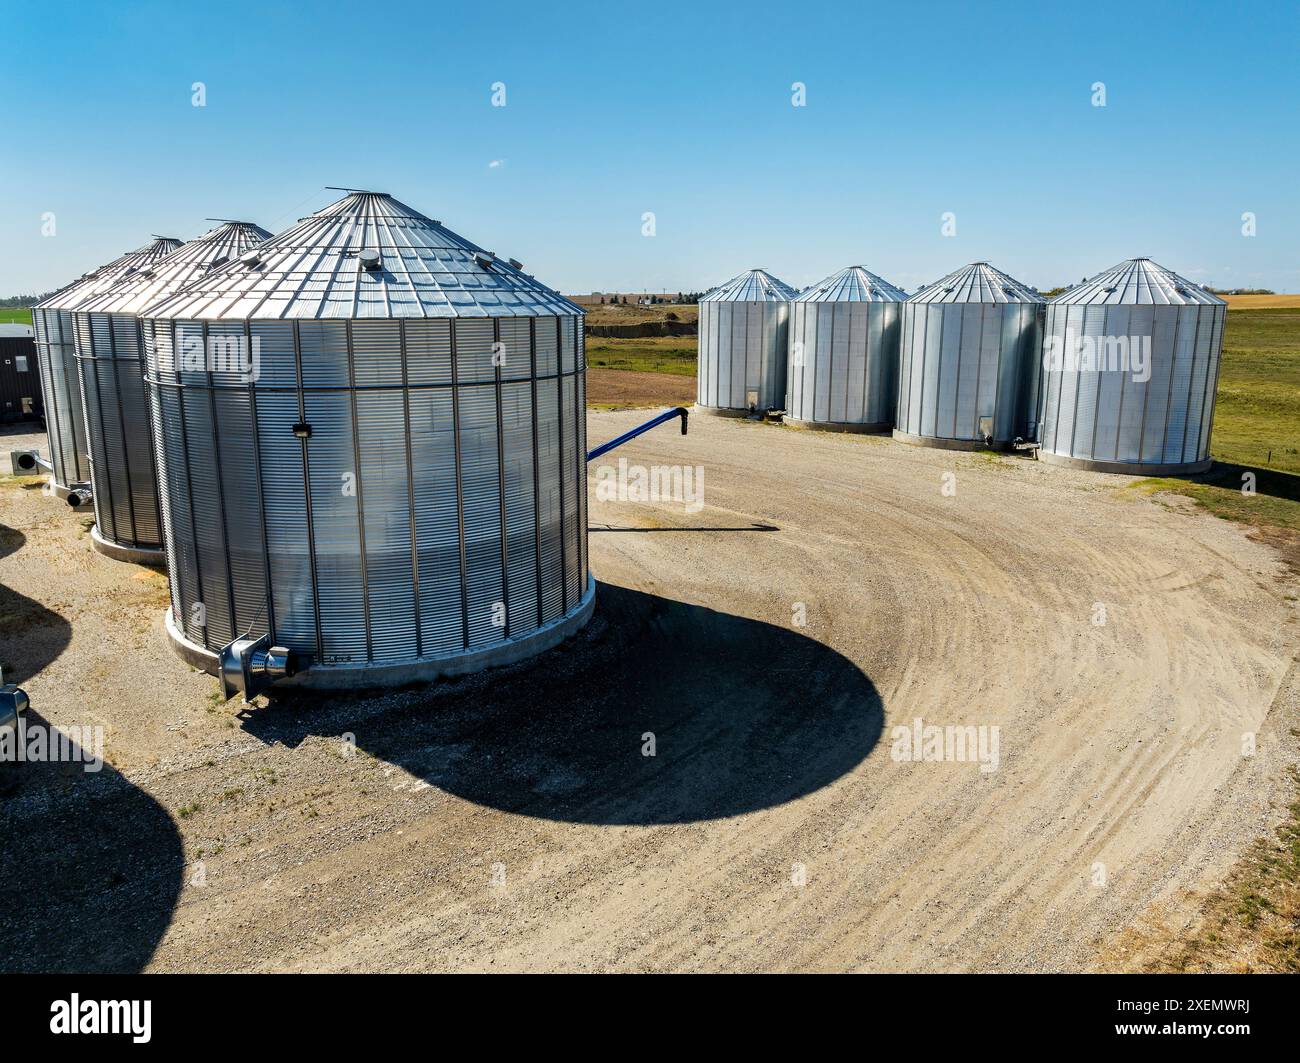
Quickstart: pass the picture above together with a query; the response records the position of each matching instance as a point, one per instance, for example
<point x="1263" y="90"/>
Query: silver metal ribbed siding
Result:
<point x="743" y="338"/>
<point x="65" y="419"/>
<point x="968" y="360"/>
<point x="843" y="364"/>
<point x="1130" y="367"/>
<point x="433" y="520"/>
<point x="55" y="334"/>
<point x="109" y="349"/>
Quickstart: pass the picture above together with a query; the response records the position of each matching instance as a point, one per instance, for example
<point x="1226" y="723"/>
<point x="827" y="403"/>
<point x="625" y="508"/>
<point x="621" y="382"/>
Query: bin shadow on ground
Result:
<point x="741" y="715"/>
<point x="31" y="636"/>
<point x="90" y="865"/>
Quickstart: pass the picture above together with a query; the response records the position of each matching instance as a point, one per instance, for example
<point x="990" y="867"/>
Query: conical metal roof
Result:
<point x="856" y="284"/>
<point x="138" y="290"/>
<point x="1138" y="281"/>
<point x="752" y="286"/>
<point x="365" y="256"/>
<point x="98" y="281"/>
<point x="977" y="283"/>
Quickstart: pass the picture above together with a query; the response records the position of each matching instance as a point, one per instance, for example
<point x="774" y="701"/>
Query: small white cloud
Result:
<point x="496" y="164"/>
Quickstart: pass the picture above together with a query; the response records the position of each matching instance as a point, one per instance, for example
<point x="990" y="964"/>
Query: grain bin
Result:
<point x="370" y="439"/>
<point x="843" y="364"/>
<point x="1130" y="367"/>
<point x="742" y="343"/>
<point x="968" y="360"/>
<point x="110" y="356"/>
<point x="65" y="418"/>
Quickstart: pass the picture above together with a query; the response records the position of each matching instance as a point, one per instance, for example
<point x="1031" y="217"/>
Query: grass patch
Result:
<point x="996" y="459"/>
<point x="1275" y="503"/>
<point x="15" y="316"/>
<point x="674" y="355"/>
<point x="1257" y="413"/>
<point x="1250" y="924"/>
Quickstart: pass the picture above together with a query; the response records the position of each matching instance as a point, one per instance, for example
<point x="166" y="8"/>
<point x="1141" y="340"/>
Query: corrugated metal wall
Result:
<point x="847" y="370"/>
<point x="742" y="348"/>
<point x="111" y="369"/>
<point x="439" y="504"/>
<point x="65" y="417"/>
<point x="1097" y="414"/>
<point x="963" y="361"/>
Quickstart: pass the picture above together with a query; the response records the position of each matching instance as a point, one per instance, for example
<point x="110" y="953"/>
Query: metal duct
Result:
<point x="743" y="338"/>
<point x="1132" y="386"/>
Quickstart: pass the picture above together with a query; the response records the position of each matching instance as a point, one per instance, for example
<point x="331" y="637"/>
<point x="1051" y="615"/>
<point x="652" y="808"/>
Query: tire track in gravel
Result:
<point x="1120" y="744"/>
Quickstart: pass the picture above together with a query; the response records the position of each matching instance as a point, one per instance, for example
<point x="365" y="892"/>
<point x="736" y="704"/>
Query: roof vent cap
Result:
<point x="369" y="259"/>
<point x="484" y="260"/>
<point x="251" y="259"/>
<point x="516" y="264"/>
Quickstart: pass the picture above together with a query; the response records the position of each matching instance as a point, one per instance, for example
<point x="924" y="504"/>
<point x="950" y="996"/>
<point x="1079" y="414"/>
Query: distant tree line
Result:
<point x="682" y="298"/>
<point x="17" y="301"/>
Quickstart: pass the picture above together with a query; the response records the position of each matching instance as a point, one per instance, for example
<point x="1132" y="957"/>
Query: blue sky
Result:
<point x="981" y="110"/>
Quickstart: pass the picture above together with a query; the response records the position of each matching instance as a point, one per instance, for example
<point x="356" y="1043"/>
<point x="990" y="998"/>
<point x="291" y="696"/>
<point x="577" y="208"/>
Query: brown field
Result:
<point x="1261" y="302"/>
<point x="621" y="389"/>
<point x="610" y="314"/>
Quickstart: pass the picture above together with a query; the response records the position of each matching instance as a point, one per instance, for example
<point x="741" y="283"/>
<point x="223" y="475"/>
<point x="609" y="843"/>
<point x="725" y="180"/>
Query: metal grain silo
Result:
<point x="743" y="344"/>
<point x="65" y="417"/>
<point x="968" y="360"/>
<point x="844" y="353"/>
<point x="370" y="440"/>
<point x="110" y="354"/>
<point x="1130" y="367"/>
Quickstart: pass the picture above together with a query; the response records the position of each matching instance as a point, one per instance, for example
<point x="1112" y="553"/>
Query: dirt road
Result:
<point x="831" y="589"/>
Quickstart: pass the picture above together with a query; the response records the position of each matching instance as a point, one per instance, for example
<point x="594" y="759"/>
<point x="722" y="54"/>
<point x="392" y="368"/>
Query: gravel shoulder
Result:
<point x="828" y="591"/>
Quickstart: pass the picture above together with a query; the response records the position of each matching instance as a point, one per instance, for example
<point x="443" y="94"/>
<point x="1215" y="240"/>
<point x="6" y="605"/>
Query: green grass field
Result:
<point x="16" y="317"/>
<point x="1257" y="415"/>
<point x="675" y="355"/>
<point x="1256" y="426"/>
